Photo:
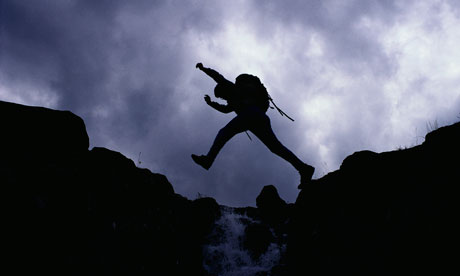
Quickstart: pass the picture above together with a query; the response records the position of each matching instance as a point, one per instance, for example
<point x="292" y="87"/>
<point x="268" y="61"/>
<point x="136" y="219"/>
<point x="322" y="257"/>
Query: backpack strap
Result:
<point x="279" y="109"/>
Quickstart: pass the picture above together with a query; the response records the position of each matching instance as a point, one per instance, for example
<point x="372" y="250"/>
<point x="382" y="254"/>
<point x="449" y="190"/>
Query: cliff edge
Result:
<point x="75" y="211"/>
<point x="390" y="213"/>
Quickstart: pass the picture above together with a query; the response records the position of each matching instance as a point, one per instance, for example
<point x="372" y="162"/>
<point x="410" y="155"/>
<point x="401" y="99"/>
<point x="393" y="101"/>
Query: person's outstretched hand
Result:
<point x="207" y="99"/>
<point x="199" y="66"/>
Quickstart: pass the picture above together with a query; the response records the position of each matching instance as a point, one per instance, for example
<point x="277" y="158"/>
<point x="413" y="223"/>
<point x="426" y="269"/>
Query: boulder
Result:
<point x="272" y="208"/>
<point x="257" y="239"/>
<point x="38" y="133"/>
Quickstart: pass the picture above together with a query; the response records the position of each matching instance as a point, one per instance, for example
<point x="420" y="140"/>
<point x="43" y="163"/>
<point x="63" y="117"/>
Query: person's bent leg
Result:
<point x="235" y="126"/>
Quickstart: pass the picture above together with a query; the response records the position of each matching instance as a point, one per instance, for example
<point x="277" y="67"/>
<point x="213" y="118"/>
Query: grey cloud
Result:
<point x="127" y="67"/>
<point x="337" y="22"/>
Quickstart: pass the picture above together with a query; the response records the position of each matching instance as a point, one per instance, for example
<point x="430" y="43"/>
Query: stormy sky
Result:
<point x="355" y="75"/>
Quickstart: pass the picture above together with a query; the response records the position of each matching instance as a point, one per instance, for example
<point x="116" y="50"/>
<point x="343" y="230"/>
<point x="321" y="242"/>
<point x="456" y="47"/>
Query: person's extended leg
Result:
<point x="235" y="126"/>
<point x="263" y="130"/>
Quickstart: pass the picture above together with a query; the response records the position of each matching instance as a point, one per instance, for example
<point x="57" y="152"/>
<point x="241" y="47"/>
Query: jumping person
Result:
<point x="248" y="98"/>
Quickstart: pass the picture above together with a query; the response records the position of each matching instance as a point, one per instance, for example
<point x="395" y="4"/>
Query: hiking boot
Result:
<point x="305" y="175"/>
<point x="202" y="160"/>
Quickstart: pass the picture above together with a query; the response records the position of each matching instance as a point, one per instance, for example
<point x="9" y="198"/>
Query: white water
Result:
<point x="225" y="256"/>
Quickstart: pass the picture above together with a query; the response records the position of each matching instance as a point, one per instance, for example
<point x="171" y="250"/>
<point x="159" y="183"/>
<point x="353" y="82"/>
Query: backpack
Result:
<point x="252" y="91"/>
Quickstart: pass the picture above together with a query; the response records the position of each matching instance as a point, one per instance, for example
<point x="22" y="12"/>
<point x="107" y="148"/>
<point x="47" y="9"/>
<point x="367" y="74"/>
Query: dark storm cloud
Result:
<point x="127" y="67"/>
<point x="115" y="64"/>
<point x="338" y="22"/>
<point x="93" y="65"/>
<point x="52" y="39"/>
<point x="347" y="46"/>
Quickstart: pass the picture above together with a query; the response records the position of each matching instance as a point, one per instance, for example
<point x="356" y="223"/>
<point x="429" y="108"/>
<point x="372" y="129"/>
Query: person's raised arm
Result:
<point x="212" y="73"/>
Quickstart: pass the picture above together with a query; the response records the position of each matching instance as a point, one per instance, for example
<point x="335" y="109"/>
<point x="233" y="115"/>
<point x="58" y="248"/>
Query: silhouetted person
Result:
<point x="250" y="116"/>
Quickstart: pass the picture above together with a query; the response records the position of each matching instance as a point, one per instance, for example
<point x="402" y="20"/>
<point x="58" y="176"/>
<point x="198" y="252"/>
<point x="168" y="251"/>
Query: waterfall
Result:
<point x="227" y="253"/>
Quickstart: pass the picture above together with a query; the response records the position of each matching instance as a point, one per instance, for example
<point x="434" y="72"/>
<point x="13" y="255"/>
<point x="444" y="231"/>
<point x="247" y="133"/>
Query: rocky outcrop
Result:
<point x="37" y="132"/>
<point x="390" y="213"/>
<point x="273" y="209"/>
<point x="74" y="211"/>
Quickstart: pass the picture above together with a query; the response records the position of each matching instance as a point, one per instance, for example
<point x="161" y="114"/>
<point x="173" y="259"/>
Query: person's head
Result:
<point x="220" y="91"/>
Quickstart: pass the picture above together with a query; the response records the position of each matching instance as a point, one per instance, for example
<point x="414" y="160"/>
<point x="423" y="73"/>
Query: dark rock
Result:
<point x="359" y="161"/>
<point x="444" y="137"/>
<point x="279" y="270"/>
<point x="79" y="212"/>
<point x="257" y="239"/>
<point x="269" y="198"/>
<point x="388" y="213"/>
<point x="273" y="209"/>
<point x="251" y="212"/>
<point x="37" y="132"/>
<point x="71" y="211"/>
<point x="206" y="211"/>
